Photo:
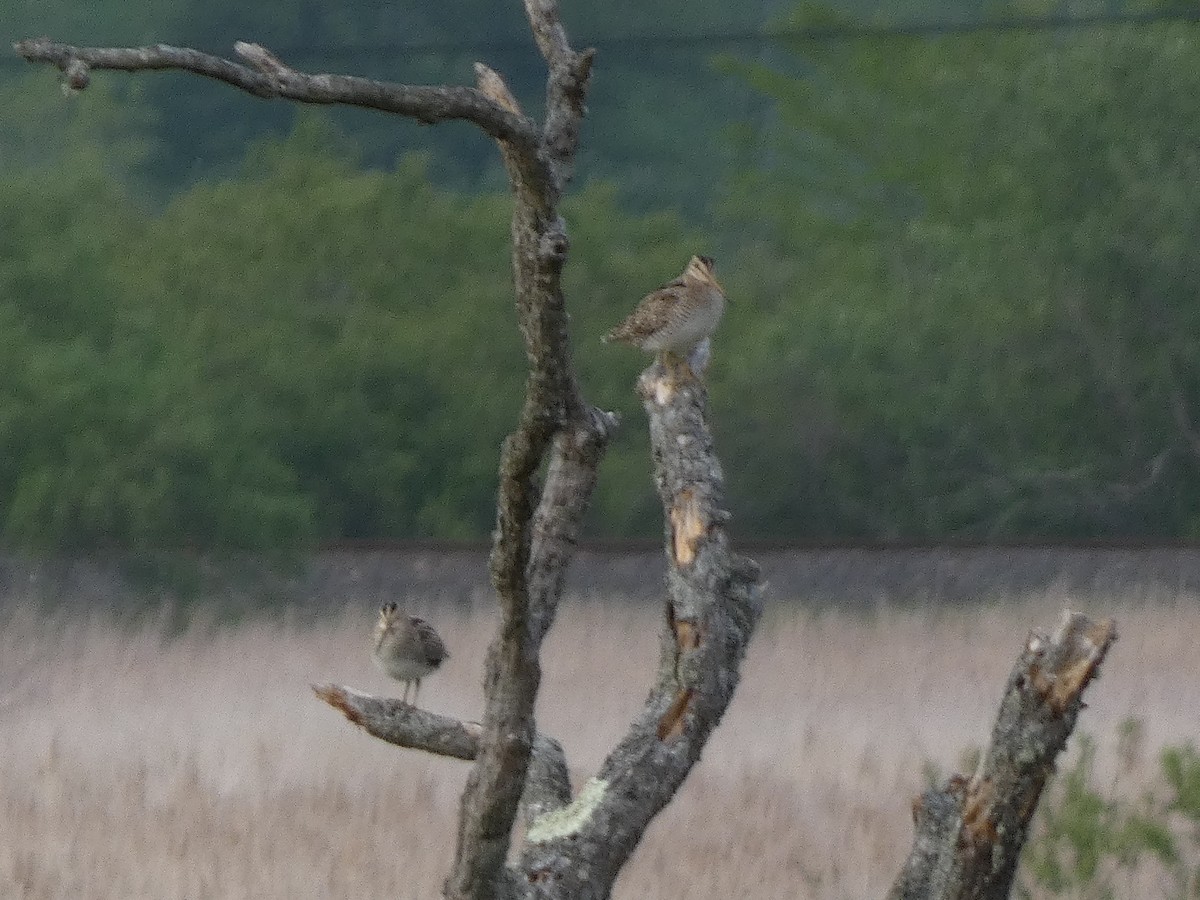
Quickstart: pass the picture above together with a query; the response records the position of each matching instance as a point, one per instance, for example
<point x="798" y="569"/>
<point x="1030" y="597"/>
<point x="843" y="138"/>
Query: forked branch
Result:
<point x="566" y="87"/>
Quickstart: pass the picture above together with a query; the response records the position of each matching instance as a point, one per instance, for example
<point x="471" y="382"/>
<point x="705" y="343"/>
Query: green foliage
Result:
<point x="97" y="22"/>
<point x="1086" y="844"/>
<point x="974" y="231"/>
<point x="340" y="341"/>
<point x="305" y="350"/>
<point x="1182" y="768"/>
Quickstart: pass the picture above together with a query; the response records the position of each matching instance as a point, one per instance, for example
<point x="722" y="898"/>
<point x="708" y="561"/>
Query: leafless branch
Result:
<point x="553" y="405"/>
<point x="265" y="76"/>
<point x="713" y="607"/>
<point x="548" y="786"/>
<point x="402" y="724"/>
<point x="566" y="87"/>
<point x="969" y="834"/>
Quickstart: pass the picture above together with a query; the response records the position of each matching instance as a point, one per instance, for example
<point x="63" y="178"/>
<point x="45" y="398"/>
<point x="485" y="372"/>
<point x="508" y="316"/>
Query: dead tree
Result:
<point x="573" y="848"/>
<point x="576" y="842"/>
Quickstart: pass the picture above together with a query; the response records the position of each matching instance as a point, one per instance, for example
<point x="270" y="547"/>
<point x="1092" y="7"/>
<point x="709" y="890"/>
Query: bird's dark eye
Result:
<point x="709" y="261"/>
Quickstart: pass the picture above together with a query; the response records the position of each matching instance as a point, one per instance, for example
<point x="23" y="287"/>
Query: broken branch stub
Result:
<point x="969" y="834"/>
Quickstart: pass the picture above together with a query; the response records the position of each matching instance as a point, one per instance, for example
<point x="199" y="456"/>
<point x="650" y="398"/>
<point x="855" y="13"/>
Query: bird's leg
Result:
<point x="416" y="692"/>
<point x="700" y="356"/>
<point x="404" y="696"/>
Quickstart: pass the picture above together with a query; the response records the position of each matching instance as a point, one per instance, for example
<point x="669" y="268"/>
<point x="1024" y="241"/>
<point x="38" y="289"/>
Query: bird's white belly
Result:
<point x="402" y="669"/>
<point x="690" y="329"/>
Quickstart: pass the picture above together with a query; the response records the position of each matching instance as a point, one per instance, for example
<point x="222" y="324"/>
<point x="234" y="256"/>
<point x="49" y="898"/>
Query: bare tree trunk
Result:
<point x="576" y="849"/>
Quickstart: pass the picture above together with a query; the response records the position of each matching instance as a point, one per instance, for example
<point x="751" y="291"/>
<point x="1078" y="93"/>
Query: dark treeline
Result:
<point x="963" y="274"/>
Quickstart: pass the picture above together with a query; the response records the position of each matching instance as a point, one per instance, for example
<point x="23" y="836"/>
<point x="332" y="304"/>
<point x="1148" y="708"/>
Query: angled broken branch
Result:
<point x="402" y="724"/>
<point x="969" y="834"/>
<point x="547" y="787"/>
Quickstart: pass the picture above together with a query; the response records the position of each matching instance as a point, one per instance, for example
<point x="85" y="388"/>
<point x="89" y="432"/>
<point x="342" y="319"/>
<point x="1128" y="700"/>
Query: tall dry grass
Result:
<point x="137" y="765"/>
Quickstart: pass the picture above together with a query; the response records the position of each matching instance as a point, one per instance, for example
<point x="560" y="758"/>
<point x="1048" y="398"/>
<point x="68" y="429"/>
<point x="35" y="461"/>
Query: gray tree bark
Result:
<point x="969" y="833"/>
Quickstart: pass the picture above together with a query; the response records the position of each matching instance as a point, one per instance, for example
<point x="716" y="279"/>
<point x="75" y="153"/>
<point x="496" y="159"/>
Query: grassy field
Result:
<point x="136" y="765"/>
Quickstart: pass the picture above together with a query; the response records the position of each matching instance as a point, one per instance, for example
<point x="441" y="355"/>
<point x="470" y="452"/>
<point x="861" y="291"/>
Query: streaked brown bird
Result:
<point x="406" y="648"/>
<point x="679" y="315"/>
